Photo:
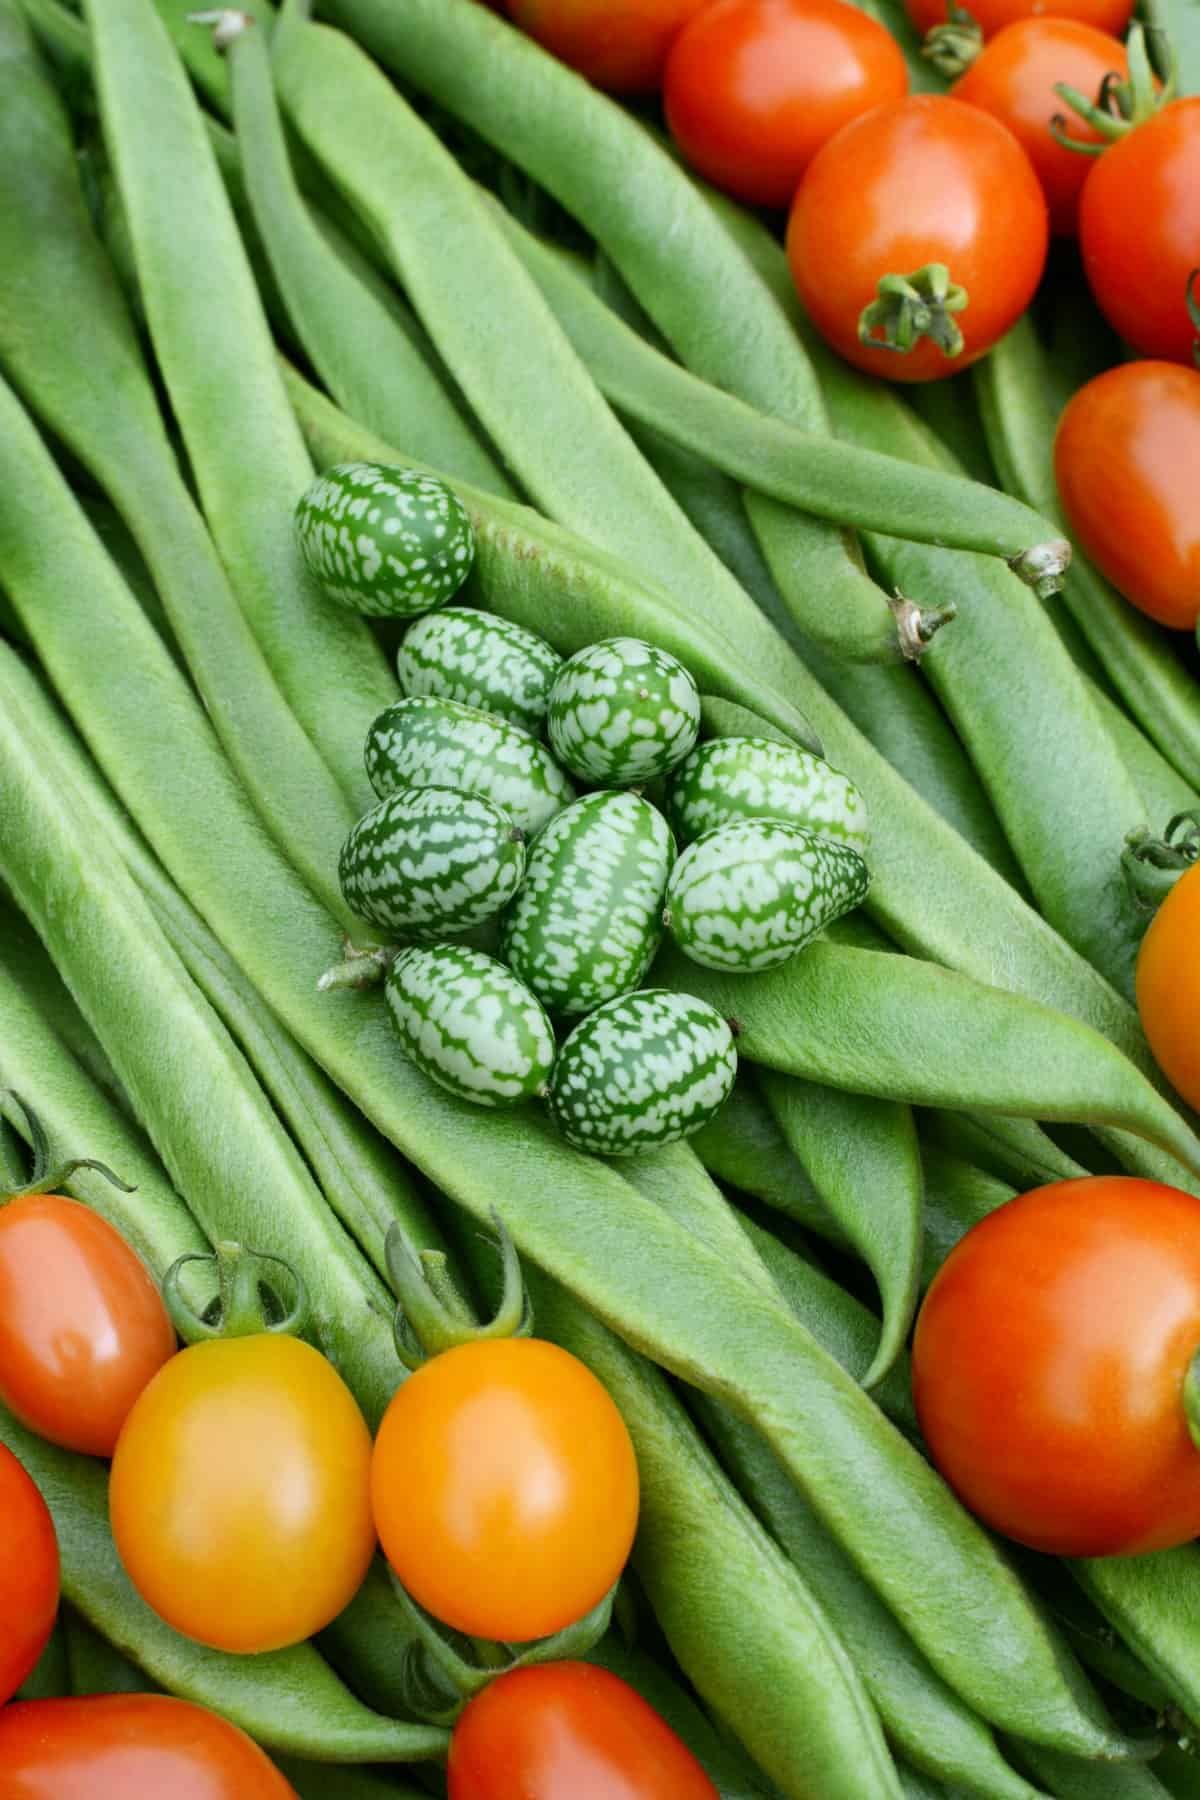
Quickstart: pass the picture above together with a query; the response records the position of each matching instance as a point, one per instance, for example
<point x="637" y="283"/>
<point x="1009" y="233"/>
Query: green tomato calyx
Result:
<point x="46" y="1177"/>
<point x="1120" y="105"/>
<point x="1152" y="865"/>
<point x="248" y="1301"/>
<point x="911" y="307"/>
<point x="955" y="44"/>
<point x="432" y="1315"/>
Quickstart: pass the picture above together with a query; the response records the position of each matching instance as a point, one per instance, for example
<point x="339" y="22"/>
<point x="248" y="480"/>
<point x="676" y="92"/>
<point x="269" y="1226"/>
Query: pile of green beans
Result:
<point x="271" y="261"/>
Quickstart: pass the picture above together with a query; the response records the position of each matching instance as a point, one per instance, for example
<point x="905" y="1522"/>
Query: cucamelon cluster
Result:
<point x="480" y="824"/>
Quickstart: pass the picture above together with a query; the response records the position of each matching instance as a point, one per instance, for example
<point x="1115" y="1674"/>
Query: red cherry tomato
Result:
<point x="1049" y="1363"/>
<point x="28" y="1577"/>
<point x="1168" y="985"/>
<point x="82" y="1326"/>
<point x="130" y="1747"/>
<point x="1013" y="79"/>
<point x="240" y="1493"/>
<point x="568" y="1731"/>
<point x="505" y="1488"/>
<point x="1126" y="457"/>
<point x="922" y="180"/>
<point x="1139" y="231"/>
<point x="618" y="44"/>
<point x="753" y="88"/>
<point x="993" y="15"/>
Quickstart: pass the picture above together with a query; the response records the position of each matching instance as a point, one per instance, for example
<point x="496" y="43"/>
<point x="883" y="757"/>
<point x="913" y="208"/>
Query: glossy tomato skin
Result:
<point x="621" y="45"/>
<point x="130" y="1747"/>
<point x="1013" y="79"/>
<point x="505" y="1488"/>
<point x="993" y="15"/>
<point x="568" y="1731"/>
<point x="1168" y="986"/>
<point x="28" y="1577"/>
<point x="240" y="1493"/>
<point x="1048" y="1367"/>
<point x="753" y="88"/>
<point x="1139" y="231"/>
<point x="82" y="1325"/>
<point x="1126" y="456"/>
<point x="927" y="179"/>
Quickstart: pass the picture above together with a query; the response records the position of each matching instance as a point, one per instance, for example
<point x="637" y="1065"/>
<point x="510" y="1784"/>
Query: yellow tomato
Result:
<point x="240" y="1493"/>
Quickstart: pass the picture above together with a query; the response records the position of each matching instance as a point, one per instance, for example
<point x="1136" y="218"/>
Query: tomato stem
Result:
<point x="442" y="1669"/>
<point x="246" y="1303"/>
<point x="432" y="1315"/>
<point x="1152" y="865"/>
<point x="911" y="307"/>
<point x="46" y="1177"/>
<point x="1193" y="306"/>
<point x="954" y="45"/>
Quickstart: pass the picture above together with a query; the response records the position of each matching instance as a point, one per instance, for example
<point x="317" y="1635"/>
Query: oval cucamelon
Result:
<point x="428" y="861"/>
<point x="732" y="778"/>
<point x="641" y="1071"/>
<point x="588" y="919"/>
<point x="474" y="657"/>
<point x="469" y="1023"/>
<point x="439" y="743"/>
<point x="749" y="895"/>
<point x="389" y="542"/>
<point x="622" y="711"/>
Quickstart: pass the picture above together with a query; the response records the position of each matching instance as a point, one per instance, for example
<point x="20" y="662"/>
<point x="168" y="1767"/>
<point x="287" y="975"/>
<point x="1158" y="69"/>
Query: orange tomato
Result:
<point x="1049" y="1363"/>
<point x="917" y="181"/>
<point x="82" y="1325"/>
<point x="28" y="1576"/>
<point x="240" y="1493"/>
<point x="618" y="44"/>
<point x="1168" y="985"/>
<point x="993" y="15"/>
<point x="505" y="1488"/>
<point x="1013" y="79"/>
<point x="1125" y="457"/>
<point x="130" y="1747"/>
<point x="753" y="88"/>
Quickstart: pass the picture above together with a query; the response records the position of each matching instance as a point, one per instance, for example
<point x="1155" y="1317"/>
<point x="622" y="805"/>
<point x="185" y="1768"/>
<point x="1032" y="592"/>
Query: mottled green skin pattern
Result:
<point x="389" y="542"/>
<point x="428" y="861"/>
<point x="644" y="1070"/>
<point x="469" y="1023"/>
<point x="622" y="712"/>
<point x="749" y="895"/>
<point x="474" y="657"/>
<point x="733" y="778"/>
<point x="588" y="920"/>
<point x="439" y="743"/>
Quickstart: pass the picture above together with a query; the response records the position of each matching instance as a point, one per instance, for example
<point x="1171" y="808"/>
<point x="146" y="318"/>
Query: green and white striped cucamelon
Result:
<point x="622" y="711"/>
<point x="586" y="923"/>
<point x="474" y="657"/>
<point x="733" y="778"/>
<point x="644" y="1070"/>
<point x="470" y="1024"/>
<point x="749" y="895"/>
<point x="440" y="743"/>
<point x="428" y="861"/>
<point x="389" y="542"/>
